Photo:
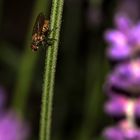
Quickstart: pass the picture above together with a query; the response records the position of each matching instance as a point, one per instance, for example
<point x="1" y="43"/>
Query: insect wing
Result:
<point x="39" y="24"/>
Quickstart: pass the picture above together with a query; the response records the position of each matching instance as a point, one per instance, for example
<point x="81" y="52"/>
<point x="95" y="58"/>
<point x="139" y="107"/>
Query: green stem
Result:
<point x="50" y="66"/>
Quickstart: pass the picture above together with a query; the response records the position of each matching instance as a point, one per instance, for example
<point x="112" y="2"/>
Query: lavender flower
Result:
<point x="119" y="106"/>
<point x="12" y="127"/>
<point x="123" y="131"/>
<point x="137" y="108"/>
<point x="126" y="76"/>
<point x="116" y="106"/>
<point x="124" y="42"/>
<point x="123" y="83"/>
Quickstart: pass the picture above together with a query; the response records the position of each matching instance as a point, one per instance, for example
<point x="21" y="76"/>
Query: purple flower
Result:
<point x="123" y="83"/>
<point x="12" y="127"/>
<point x="113" y="133"/>
<point x="123" y="23"/>
<point x="124" y="42"/>
<point x="126" y="76"/>
<point x="116" y="106"/>
<point x="123" y="131"/>
<point x="137" y="108"/>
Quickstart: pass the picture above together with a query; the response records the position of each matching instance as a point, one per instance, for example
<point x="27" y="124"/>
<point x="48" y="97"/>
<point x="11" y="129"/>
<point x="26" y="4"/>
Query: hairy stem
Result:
<point x="50" y="67"/>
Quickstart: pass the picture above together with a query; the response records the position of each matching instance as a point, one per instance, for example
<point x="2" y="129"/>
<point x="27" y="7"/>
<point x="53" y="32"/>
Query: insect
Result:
<point x="40" y="32"/>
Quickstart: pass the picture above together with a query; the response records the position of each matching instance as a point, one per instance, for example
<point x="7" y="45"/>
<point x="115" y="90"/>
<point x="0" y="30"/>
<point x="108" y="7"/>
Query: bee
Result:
<point x="40" y="32"/>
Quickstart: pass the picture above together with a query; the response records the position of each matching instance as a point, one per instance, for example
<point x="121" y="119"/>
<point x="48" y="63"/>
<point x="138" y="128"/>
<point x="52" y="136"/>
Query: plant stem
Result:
<point x="50" y="67"/>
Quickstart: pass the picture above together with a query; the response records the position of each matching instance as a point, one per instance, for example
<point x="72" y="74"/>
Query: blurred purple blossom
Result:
<point x="12" y="127"/>
<point x="123" y="23"/>
<point x="119" y="106"/>
<point x="123" y="131"/>
<point x="126" y="76"/>
<point x="124" y="41"/>
<point x="137" y="108"/>
<point x="123" y="83"/>
<point x="116" y="106"/>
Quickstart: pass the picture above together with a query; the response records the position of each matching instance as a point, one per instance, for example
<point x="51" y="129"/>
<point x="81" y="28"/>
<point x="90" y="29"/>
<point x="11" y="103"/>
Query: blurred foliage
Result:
<point x="78" y="100"/>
